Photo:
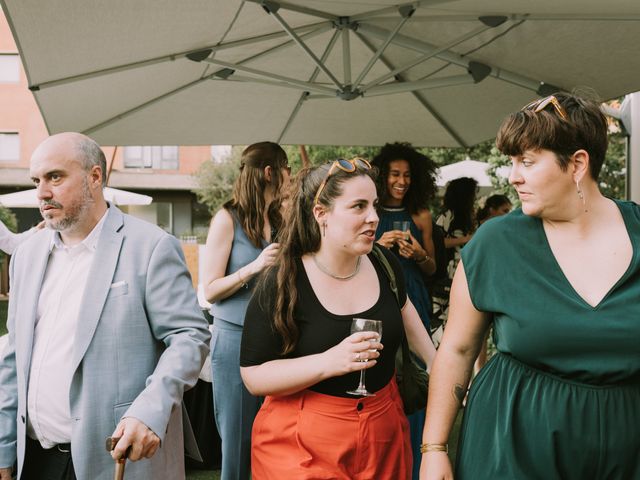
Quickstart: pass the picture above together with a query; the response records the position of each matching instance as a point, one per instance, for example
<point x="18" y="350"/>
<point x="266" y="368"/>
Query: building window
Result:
<point x="9" y="147"/>
<point x="158" y="158"/>
<point x="9" y="68"/>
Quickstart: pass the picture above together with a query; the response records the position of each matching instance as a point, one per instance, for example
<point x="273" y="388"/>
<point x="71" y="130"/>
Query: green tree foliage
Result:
<point x="319" y="154"/>
<point x="614" y="171"/>
<point x="215" y="180"/>
<point x="9" y="219"/>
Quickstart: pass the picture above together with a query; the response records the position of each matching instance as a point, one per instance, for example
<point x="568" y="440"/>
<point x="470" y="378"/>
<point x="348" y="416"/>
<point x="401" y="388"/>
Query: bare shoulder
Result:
<point x="220" y="236"/>
<point x="222" y="221"/>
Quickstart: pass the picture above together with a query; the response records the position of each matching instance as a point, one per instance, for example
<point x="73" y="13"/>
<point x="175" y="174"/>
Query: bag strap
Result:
<point x="388" y="270"/>
<point x="391" y="276"/>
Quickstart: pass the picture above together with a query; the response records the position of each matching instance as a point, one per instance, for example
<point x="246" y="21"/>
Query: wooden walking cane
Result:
<point x="120" y="463"/>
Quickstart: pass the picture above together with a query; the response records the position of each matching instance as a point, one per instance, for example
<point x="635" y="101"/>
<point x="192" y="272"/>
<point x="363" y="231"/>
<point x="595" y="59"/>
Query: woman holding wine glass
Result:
<point x="298" y="349"/>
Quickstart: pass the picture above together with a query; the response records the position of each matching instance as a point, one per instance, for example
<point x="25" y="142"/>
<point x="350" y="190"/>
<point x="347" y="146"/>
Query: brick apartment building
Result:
<point x="163" y="172"/>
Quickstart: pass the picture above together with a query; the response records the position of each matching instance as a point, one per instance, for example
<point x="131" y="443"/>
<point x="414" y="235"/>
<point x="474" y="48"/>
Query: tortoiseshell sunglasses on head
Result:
<point x="348" y="166"/>
<point x="542" y="103"/>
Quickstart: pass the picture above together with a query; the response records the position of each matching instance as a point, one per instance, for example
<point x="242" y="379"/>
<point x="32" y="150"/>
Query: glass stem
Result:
<point x="361" y="386"/>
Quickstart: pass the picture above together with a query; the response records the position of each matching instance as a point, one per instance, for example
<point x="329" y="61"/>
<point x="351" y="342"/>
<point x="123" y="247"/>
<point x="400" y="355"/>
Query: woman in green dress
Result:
<point x="560" y="280"/>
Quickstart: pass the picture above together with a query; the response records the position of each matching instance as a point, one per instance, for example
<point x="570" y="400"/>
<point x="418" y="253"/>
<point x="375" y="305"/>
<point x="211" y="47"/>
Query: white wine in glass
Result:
<point x="365" y="325"/>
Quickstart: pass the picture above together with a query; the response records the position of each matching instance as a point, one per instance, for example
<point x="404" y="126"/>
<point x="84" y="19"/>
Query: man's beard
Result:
<point x="75" y="213"/>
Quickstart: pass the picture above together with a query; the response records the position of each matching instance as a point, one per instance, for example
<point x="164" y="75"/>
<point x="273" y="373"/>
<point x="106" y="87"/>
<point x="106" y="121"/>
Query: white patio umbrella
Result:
<point x="432" y="72"/>
<point x="468" y="168"/>
<point x="29" y="198"/>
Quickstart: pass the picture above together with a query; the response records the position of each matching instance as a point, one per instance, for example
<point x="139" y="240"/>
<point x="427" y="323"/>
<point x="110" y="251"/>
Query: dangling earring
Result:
<point x="581" y="195"/>
<point x="324" y="229"/>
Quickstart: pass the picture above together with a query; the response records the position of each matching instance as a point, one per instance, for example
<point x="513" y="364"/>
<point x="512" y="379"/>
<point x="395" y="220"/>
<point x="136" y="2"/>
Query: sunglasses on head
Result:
<point x="345" y="165"/>
<point x="542" y="103"/>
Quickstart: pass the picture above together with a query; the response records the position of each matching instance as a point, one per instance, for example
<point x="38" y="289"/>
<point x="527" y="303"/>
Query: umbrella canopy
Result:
<point x="432" y="72"/>
<point x="468" y="168"/>
<point x="29" y="198"/>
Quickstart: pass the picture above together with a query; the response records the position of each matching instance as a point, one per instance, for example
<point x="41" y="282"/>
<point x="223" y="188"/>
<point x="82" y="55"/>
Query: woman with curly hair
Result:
<point x="405" y="185"/>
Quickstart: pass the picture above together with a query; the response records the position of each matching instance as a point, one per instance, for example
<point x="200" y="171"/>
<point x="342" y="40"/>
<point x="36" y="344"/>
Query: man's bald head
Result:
<point x="78" y="146"/>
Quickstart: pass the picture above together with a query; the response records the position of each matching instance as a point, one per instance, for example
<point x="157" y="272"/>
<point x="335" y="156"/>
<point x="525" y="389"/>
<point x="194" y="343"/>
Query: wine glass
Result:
<point x="404" y="226"/>
<point x="365" y="325"/>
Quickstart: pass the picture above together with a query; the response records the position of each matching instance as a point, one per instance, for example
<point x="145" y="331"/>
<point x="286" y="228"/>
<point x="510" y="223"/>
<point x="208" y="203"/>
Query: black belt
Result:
<point x="63" y="448"/>
<point x="54" y="462"/>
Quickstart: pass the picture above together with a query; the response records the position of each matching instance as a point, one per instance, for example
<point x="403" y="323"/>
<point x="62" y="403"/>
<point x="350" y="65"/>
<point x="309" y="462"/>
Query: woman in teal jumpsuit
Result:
<point x="560" y="279"/>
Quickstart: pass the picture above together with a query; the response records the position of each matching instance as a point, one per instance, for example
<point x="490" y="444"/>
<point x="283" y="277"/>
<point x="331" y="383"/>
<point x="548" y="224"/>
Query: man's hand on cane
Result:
<point x="135" y="434"/>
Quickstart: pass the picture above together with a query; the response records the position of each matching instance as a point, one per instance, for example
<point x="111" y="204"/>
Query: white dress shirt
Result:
<point x="9" y="241"/>
<point x="48" y="410"/>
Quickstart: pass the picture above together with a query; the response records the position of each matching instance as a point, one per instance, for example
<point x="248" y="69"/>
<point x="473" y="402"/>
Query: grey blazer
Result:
<point x="141" y="341"/>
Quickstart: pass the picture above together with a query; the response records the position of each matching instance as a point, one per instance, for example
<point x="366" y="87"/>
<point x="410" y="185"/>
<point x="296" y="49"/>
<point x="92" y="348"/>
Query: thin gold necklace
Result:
<point x="326" y="271"/>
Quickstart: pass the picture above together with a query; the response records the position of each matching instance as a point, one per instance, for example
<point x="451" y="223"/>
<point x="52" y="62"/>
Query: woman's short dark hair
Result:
<point x="584" y="128"/>
<point x="423" y="175"/>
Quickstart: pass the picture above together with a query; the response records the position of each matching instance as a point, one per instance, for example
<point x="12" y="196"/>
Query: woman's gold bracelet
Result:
<point x="434" y="447"/>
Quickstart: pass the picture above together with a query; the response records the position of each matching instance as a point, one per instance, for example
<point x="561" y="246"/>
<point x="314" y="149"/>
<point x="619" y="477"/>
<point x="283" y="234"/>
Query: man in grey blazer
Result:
<point x="105" y="333"/>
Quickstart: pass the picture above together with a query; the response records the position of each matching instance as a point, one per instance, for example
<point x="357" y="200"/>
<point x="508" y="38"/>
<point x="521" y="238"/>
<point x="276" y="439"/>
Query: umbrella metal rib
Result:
<point x="304" y="47"/>
<point x="424" y="58"/>
<point x="304" y="95"/>
<point x="347" y="91"/>
<point x="420" y="98"/>
<point x="302" y="30"/>
<point x="406" y="15"/>
<point x="453" y="58"/>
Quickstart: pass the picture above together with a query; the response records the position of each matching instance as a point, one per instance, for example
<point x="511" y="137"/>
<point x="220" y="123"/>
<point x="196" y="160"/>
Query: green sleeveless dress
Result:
<point x="561" y="398"/>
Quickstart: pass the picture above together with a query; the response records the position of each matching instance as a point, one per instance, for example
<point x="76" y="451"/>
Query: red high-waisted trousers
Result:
<point x="310" y="435"/>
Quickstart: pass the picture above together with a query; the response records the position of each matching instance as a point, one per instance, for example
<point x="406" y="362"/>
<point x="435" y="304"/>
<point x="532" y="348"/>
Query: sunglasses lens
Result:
<point x="362" y="163"/>
<point x="346" y="165"/>
<point x="539" y="105"/>
<point x="542" y="104"/>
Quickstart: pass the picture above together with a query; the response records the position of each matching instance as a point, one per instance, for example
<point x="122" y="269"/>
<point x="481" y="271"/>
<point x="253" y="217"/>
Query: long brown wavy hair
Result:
<point x="248" y="191"/>
<point x="300" y="235"/>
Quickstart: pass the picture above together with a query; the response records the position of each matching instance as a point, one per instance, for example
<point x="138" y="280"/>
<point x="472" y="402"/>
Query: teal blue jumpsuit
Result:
<point x="561" y="398"/>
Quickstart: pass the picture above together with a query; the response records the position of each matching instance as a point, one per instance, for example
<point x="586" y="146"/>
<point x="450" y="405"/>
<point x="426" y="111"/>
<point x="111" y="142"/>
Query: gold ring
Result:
<point x="358" y="357"/>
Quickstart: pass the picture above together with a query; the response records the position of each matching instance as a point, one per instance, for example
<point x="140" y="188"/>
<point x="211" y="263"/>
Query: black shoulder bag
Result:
<point x="412" y="380"/>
